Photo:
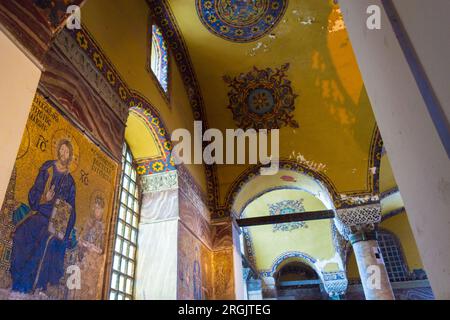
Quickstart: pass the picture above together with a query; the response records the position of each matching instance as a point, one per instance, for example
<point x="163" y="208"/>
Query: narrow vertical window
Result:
<point x="125" y="247"/>
<point x="159" y="59"/>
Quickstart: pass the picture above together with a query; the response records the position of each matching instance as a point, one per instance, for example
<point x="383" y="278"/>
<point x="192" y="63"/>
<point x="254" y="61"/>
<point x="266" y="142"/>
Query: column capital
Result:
<point x="159" y="182"/>
<point x="358" y="222"/>
<point x="362" y="233"/>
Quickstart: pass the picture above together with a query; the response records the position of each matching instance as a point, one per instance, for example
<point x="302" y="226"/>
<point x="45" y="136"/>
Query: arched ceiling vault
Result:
<point x="311" y="55"/>
<point x="322" y="109"/>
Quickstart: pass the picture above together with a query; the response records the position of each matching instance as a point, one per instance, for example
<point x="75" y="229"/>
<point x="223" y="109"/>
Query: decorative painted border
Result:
<point x="389" y="193"/>
<point x="393" y="213"/>
<point x="87" y="63"/>
<point x="249" y="249"/>
<point x="164" y="17"/>
<point x="166" y="163"/>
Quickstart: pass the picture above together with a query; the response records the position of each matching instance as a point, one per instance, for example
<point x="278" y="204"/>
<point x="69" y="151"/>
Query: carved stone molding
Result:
<point x="351" y="220"/>
<point x="84" y="64"/>
<point x="159" y="182"/>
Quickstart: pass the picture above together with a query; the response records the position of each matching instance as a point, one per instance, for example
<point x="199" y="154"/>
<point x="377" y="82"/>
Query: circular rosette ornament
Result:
<point x="262" y="99"/>
<point x="240" y="20"/>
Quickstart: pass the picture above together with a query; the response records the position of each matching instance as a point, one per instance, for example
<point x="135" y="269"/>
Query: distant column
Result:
<point x="254" y="288"/>
<point x="269" y="288"/>
<point x="358" y="226"/>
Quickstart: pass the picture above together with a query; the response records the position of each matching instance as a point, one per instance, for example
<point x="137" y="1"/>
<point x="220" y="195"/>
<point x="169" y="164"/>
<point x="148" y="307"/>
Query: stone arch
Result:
<point x="290" y="257"/>
<point x="141" y="108"/>
<point x="324" y="184"/>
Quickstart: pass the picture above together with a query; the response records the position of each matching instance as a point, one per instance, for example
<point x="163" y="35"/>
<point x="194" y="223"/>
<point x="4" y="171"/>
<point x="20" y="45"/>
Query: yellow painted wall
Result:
<point x="316" y="240"/>
<point x="333" y="109"/>
<point x="399" y="225"/>
<point x="352" y="267"/>
<point x="141" y="139"/>
<point x="113" y="24"/>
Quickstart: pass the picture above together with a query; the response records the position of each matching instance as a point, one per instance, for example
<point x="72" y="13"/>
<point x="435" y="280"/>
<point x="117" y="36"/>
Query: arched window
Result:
<point x="124" y="259"/>
<point x="393" y="256"/>
<point x="159" y="58"/>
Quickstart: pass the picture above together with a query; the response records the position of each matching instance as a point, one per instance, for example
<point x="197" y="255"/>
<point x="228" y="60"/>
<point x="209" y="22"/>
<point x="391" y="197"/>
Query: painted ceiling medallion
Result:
<point x="262" y="99"/>
<point x="241" y="20"/>
<point x="288" y="207"/>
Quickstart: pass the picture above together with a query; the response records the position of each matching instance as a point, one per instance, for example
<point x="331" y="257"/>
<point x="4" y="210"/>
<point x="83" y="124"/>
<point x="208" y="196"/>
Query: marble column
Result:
<point x="416" y="150"/>
<point x="156" y="270"/>
<point x="269" y="288"/>
<point x="372" y="269"/>
<point x="358" y="225"/>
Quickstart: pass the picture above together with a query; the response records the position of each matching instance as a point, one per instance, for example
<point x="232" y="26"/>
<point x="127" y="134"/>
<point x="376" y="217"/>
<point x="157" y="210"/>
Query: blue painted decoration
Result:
<point x="287" y="207"/>
<point x="262" y="99"/>
<point x="240" y="20"/>
<point x="159" y="58"/>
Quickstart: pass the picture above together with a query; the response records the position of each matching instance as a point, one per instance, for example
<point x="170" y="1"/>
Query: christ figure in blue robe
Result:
<point x="37" y="258"/>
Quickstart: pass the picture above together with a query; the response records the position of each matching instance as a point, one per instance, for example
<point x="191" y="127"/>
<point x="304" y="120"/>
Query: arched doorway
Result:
<point x="296" y="280"/>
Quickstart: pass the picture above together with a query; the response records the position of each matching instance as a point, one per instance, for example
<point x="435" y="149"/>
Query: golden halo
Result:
<point x="63" y="134"/>
<point x="94" y="195"/>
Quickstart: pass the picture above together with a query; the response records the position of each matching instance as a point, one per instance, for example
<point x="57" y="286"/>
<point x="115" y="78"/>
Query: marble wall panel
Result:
<point x="194" y="267"/>
<point x="159" y="206"/>
<point x="156" y="272"/>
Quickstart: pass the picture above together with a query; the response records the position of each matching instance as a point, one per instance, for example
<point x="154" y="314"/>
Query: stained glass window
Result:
<point x="159" y="60"/>
<point x="125" y="247"/>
